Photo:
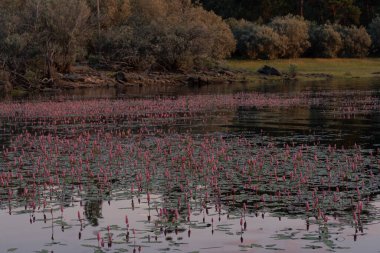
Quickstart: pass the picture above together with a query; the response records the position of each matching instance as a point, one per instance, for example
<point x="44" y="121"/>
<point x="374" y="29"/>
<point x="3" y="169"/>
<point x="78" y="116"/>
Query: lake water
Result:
<point x="290" y="167"/>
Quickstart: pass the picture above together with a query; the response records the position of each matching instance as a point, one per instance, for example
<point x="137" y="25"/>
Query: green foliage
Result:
<point x="256" y="41"/>
<point x="292" y="70"/>
<point x="293" y="37"/>
<point x="374" y="31"/>
<point x="251" y="10"/>
<point x="345" y="12"/>
<point x="44" y="37"/>
<point x="356" y="41"/>
<point x="175" y="35"/>
<point x="111" y="13"/>
<point x="325" y="41"/>
<point x="296" y="30"/>
<point x="62" y="31"/>
<point x="342" y="11"/>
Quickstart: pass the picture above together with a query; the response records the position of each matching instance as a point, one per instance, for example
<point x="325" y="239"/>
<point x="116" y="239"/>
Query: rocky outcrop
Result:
<point x="269" y="71"/>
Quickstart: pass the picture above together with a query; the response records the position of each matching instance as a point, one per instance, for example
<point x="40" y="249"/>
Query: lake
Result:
<point x="282" y="166"/>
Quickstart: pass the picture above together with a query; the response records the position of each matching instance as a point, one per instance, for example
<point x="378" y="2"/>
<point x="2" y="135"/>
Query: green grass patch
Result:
<point x="18" y="92"/>
<point x="338" y="68"/>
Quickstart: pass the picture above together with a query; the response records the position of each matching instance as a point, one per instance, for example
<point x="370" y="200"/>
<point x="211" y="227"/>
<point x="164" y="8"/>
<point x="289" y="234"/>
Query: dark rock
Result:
<point x="121" y="77"/>
<point x="269" y="71"/>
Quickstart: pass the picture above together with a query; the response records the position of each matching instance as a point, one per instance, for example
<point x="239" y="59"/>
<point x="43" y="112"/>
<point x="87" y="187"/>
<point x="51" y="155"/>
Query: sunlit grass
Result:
<point x="345" y="68"/>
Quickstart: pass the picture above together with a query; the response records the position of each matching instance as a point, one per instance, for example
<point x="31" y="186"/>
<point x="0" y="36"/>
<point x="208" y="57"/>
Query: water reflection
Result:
<point x="287" y="86"/>
<point x="258" y="231"/>
<point x="93" y="211"/>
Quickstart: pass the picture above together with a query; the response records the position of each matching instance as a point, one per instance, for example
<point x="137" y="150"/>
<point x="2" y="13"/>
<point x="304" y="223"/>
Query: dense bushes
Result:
<point x="339" y="41"/>
<point x="39" y="38"/>
<point x="325" y="41"/>
<point x="284" y="37"/>
<point x="62" y="32"/>
<point x="374" y="31"/>
<point x="172" y="36"/>
<point x="291" y="37"/>
<point x="296" y="30"/>
<point x="179" y="35"/>
<point x="356" y="41"/>
<point x="257" y="41"/>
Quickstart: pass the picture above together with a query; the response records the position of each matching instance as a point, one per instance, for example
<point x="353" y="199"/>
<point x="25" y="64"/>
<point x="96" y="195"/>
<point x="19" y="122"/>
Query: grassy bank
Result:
<point x="311" y="68"/>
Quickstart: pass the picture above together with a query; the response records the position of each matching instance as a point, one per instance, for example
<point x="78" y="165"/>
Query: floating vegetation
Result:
<point x="63" y="163"/>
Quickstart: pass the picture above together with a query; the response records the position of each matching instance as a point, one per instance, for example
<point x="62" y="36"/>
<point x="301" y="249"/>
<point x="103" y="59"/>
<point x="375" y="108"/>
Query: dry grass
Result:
<point x="340" y="68"/>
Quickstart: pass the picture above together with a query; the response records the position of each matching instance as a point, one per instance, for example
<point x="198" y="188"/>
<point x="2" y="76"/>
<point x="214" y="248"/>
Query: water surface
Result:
<point x="246" y="167"/>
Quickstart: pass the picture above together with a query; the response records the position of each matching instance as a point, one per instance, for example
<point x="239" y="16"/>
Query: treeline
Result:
<point x="343" y="12"/>
<point x="293" y="36"/>
<point x="40" y="38"/>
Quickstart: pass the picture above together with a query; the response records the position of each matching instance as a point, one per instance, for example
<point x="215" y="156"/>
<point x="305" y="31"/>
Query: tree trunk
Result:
<point x="98" y="15"/>
<point x="49" y="65"/>
<point x="37" y="14"/>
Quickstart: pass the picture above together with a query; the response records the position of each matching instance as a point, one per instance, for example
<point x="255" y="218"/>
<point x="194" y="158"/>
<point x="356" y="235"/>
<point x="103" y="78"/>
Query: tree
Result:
<point x="157" y="33"/>
<point x="63" y="32"/>
<point x="345" y="12"/>
<point x="374" y="31"/>
<point x="107" y="13"/>
<point x="356" y="41"/>
<point x="296" y="30"/>
<point x="369" y="10"/>
<point x="18" y="22"/>
<point x="251" y="10"/>
<point x="41" y="36"/>
<point x="325" y="41"/>
<point x="257" y="41"/>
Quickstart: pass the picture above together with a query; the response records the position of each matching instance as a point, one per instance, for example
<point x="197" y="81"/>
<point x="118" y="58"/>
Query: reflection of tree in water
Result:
<point x="7" y="132"/>
<point x="93" y="211"/>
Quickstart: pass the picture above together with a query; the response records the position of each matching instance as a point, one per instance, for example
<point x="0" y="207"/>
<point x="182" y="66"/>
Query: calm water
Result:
<point x="249" y="167"/>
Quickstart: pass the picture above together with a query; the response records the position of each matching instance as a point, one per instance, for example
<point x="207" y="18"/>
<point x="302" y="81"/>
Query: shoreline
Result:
<point x="84" y="76"/>
<point x="231" y="71"/>
<point x="310" y="69"/>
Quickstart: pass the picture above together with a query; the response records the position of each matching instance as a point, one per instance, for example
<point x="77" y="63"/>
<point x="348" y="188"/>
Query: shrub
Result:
<point x="296" y="30"/>
<point x="239" y="29"/>
<point x="175" y="35"/>
<point x="15" y="37"/>
<point x="356" y="41"/>
<point x="111" y="13"/>
<point x="52" y="37"/>
<point x="62" y="31"/>
<point x="374" y="31"/>
<point x="292" y="70"/>
<point x="178" y="35"/>
<point x="325" y="41"/>
<point x="257" y="41"/>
